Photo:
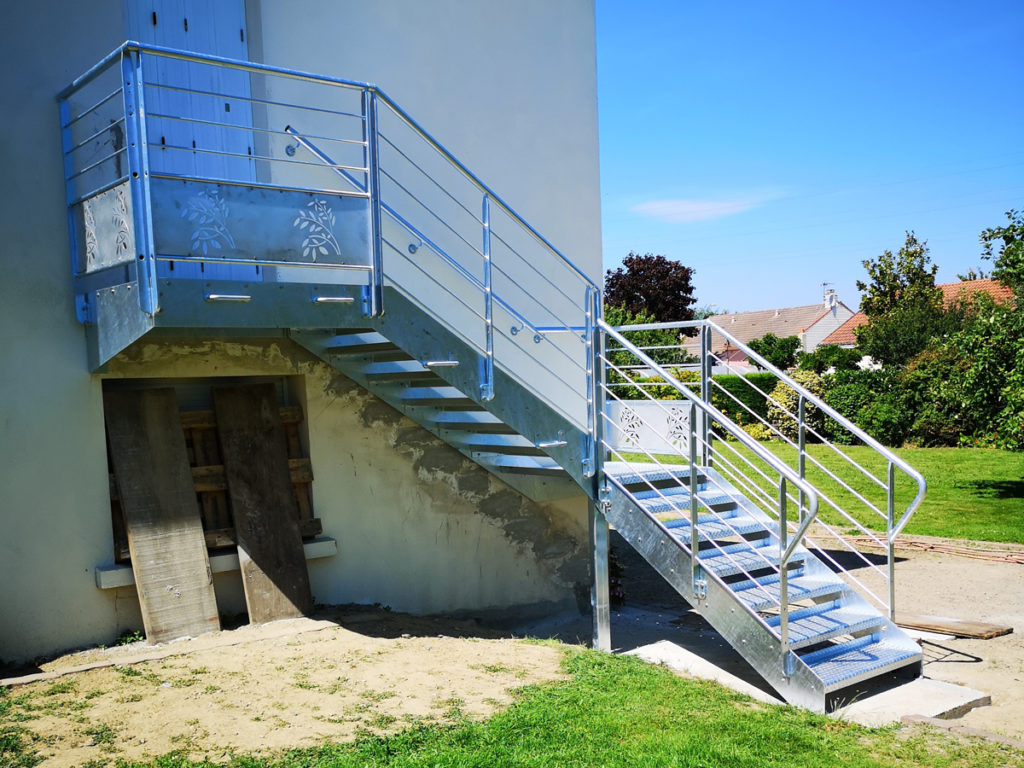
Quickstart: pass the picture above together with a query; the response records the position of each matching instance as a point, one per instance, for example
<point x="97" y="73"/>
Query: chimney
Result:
<point x="831" y="299"/>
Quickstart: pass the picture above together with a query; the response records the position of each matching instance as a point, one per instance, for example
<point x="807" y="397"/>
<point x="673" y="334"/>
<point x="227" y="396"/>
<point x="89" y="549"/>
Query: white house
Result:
<point x="405" y="519"/>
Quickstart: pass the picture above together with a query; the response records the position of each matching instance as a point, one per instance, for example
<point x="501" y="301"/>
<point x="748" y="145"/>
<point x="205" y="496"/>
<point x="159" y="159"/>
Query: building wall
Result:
<point x="814" y="335"/>
<point x="449" y="537"/>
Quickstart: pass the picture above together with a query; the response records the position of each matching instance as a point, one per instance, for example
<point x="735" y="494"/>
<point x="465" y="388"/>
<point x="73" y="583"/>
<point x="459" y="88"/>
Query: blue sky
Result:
<point x="774" y="146"/>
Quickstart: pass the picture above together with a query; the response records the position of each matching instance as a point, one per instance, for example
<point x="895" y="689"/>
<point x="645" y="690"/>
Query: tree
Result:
<point x="1008" y="260"/>
<point x="829" y="357"/>
<point x="651" y="285"/>
<point x="779" y="352"/>
<point x="902" y="304"/>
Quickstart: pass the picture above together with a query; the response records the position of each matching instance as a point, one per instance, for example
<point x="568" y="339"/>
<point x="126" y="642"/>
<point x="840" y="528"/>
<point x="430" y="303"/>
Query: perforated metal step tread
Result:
<point x="847" y="663"/>
<point x="721" y="528"/>
<point x="742" y="560"/>
<point x="718" y="502"/>
<point x="764" y="592"/>
<point x="823" y="624"/>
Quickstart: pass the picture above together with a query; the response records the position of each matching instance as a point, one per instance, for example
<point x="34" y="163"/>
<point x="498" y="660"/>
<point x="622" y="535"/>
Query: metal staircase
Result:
<point x="364" y="240"/>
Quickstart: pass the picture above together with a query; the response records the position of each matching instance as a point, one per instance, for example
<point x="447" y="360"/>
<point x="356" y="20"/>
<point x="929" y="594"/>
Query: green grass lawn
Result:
<point x="619" y="711"/>
<point x="973" y="493"/>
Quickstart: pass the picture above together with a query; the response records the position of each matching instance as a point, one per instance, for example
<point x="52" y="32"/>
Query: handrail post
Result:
<point x="890" y="510"/>
<point x="592" y="464"/>
<point x="370" y="136"/>
<point x="138" y="178"/>
<point x="694" y="533"/>
<point x="783" y="579"/>
<point x="802" y="449"/>
<point x="600" y="601"/>
<point x="487" y="379"/>
<point x="705" y="391"/>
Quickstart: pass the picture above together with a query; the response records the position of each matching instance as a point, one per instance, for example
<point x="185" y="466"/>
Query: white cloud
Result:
<point x="676" y="211"/>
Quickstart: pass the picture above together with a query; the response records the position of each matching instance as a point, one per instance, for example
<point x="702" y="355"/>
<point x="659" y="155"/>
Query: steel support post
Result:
<point x="138" y="179"/>
<point x="696" y="579"/>
<point x="783" y="579"/>
<point x="599" y="595"/>
<point x="370" y="136"/>
<point x="593" y="392"/>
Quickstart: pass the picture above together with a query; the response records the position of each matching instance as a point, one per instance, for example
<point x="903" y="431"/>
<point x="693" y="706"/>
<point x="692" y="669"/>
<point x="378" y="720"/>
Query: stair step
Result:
<point x="523" y="465"/>
<point x="447" y="397"/>
<point x="648" y="476"/>
<point x="809" y="626"/>
<point x="721" y="528"/>
<point x="399" y="370"/>
<point x="498" y="443"/>
<point x="359" y="343"/>
<point x="762" y="593"/>
<point x="846" y="663"/>
<point x="472" y="421"/>
<point x="674" y="490"/>
<point x="709" y="502"/>
<point x="742" y="558"/>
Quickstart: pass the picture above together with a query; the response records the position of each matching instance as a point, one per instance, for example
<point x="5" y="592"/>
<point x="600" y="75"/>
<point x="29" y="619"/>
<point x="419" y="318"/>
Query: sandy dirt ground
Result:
<point x="285" y="684"/>
<point x="352" y="670"/>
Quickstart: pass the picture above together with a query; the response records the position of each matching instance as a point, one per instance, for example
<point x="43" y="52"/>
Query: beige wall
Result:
<point x="448" y="536"/>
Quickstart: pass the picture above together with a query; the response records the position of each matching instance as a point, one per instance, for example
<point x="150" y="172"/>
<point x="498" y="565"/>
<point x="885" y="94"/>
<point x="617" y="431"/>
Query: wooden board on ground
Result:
<point x="255" y="455"/>
<point x="958" y="627"/>
<point x="161" y="517"/>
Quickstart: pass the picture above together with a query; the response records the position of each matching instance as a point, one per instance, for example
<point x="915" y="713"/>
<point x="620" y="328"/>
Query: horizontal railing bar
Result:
<point x="259" y="185"/>
<point x="436" y="216"/>
<point x="263" y="262"/>
<point x="86" y="112"/>
<point x="99" y="162"/>
<point x="577" y="306"/>
<point x="98" y="190"/>
<point x="845" y="485"/>
<point x="496" y="235"/>
<point x="262" y="158"/>
<point x="432" y="246"/>
<point x="253" y="100"/>
<point x="431" y="179"/>
<point x="94" y="135"/>
<point x="245" y="128"/>
<point x="433" y="280"/>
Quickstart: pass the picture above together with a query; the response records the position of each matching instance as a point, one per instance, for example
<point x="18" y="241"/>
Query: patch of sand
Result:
<point x="286" y="684"/>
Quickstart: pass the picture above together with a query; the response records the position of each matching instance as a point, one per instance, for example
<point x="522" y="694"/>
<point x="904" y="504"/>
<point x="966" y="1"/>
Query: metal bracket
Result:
<point x="700" y="589"/>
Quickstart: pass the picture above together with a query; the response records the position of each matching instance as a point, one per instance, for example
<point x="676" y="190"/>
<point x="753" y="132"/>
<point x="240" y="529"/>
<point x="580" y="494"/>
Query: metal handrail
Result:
<point x="893" y="526"/>
<point x="132" y="45"/>
<point x="808" y="494"/>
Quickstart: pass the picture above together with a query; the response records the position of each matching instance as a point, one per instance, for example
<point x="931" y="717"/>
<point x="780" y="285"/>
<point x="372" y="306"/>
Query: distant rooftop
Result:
<point x="844" y="335"/>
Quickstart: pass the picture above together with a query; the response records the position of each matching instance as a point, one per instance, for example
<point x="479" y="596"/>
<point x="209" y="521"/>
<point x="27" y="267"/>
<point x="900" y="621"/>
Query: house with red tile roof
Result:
<point x="961" y="289"/>
<point x="811" y="323"/>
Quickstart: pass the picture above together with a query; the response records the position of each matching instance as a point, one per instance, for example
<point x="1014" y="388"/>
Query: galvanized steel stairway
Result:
<point x="399" y="267"/>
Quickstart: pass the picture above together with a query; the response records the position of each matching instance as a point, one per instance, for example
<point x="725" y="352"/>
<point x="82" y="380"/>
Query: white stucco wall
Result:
<point x="524" y="71"/>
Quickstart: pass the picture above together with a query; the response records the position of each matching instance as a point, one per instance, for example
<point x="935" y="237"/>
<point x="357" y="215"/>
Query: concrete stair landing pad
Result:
<point x="922" y="697"/>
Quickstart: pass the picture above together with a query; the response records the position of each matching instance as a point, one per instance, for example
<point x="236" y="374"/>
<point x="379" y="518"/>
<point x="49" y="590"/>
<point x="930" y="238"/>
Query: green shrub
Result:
<point x="873" y="400"/>
<point x="740" y="388"/>
<point x="829" y="356"/>
<point x="784" y="402"/>
<point x="760" y="432"/>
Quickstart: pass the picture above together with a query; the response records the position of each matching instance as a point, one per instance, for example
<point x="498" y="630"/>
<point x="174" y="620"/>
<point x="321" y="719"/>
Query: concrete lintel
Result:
<point x="113" y="576"/>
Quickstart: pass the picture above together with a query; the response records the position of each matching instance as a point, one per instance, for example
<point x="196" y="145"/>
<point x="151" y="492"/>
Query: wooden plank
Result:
<point x="958" y="627"/>
<point x="255" y="456"/>
<point x="165" y="534"/>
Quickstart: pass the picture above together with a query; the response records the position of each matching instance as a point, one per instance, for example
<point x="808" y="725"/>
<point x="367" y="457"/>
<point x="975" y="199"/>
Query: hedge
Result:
<point x="740" y="388"/>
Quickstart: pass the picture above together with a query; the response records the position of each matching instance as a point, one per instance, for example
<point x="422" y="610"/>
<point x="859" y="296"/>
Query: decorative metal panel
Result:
<point x="224" y="221"/>
<point x="105" y="233"/>
<point x="661" y="427"/>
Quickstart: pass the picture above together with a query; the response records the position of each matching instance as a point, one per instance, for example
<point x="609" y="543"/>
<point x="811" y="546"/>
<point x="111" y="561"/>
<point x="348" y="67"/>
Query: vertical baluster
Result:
<point x="705" y="391"/>
<point x="783" y="579"/>
<point x="801" y="449"/>
<point x="695" y="576"/>
<point x="890" y="510"/>
<point x="487" y="379"/>
<point x="370" y="136"/>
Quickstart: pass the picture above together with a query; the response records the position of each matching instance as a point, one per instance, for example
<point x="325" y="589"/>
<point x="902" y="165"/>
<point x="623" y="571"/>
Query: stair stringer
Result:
<point x="745" y="630"/>
<point x="423" y="338"/>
